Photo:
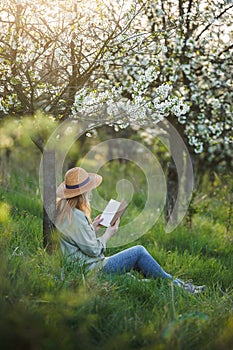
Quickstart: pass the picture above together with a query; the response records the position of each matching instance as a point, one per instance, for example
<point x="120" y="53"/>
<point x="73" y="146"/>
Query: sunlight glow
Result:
<point x="57" y="13"/>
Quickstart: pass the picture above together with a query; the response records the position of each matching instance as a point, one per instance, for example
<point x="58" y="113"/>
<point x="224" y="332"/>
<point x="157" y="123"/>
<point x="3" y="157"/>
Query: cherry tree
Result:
<point x="192" y="60"/>
<point x="51" y="56"/>
<point x="48" y="51"/>
<point x="184" y="76"/>
<point x="137" y="62"/>
<point x="198" y="63"/>
<point x="57" y="57"/>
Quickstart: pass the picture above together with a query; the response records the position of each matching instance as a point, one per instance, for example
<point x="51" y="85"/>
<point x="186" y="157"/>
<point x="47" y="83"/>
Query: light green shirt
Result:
<point x="79" y="241"/>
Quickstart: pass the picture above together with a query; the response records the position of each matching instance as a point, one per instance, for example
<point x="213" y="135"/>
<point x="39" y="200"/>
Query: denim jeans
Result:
<point x="135" y="258"/>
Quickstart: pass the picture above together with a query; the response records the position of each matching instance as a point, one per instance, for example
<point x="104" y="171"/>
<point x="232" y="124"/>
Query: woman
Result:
<point x="78" y="233"/>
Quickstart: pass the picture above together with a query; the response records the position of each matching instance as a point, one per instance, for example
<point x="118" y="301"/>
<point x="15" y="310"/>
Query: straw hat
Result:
<point x="78" y="181"/>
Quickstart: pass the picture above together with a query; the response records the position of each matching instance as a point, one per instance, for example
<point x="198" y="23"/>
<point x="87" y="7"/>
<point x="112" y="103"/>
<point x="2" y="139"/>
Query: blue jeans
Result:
<point x="135" y="258"/>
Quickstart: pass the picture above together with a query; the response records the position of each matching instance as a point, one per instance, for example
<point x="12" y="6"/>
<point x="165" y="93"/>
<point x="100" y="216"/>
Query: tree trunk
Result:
<point x="172" y="193"/>
<point x="49" y="191"/>
<point x="180" y="177"/>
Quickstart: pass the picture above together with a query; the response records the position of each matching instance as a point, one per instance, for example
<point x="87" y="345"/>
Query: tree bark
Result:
<point x="180" y="172"/>
<point x="49" y="191"/>
<point x="172" y="192"/>
<point x="173" y="181"/>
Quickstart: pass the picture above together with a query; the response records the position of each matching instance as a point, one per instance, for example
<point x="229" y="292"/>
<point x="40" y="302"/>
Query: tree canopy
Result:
<point x="140" y="60"/>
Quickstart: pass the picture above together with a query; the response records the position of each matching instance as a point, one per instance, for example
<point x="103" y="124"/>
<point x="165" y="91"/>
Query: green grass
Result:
<point x="46" y="307"/>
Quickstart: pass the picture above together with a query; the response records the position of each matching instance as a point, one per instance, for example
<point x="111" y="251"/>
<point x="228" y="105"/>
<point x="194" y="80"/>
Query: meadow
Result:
<point x="48" y="305"/>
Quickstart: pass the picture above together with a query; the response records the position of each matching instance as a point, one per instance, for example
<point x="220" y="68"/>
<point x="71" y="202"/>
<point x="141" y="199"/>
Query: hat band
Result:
<point x="78" y="185"/>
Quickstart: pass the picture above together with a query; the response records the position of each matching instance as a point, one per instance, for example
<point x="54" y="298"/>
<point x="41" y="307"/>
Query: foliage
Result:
<point x="192" y="63"/>
<point x="199" y="48"/>
<point x="142" y="61"/>
<point x="49" y="52"/>
<point x="223" y="190"/>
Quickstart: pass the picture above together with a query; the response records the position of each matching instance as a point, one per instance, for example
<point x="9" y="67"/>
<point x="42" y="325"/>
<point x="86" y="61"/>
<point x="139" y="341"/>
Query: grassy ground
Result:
<point x="45" y="307"/>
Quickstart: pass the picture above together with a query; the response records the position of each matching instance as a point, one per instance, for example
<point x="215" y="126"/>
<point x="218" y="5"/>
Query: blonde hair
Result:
<point x="65" y="207"/>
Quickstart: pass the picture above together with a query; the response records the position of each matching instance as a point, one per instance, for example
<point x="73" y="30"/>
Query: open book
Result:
<point x="112" y="212"/>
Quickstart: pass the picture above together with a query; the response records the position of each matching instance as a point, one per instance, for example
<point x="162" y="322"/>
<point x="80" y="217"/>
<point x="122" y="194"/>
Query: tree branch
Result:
<point x="225" y="50"/>
<point x="210" y="24"/>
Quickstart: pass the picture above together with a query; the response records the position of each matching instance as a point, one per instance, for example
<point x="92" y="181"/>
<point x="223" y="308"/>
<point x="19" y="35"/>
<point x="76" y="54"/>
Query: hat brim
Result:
<point x="63" y="192"/>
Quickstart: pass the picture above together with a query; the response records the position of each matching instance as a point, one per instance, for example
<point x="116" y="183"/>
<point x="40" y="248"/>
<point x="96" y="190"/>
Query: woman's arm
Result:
<point x="110" y="231"/>
<point x="96" y="222"/>
<point x="85" y="237"/>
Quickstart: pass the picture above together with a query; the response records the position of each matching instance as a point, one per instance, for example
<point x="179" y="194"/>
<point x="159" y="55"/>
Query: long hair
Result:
<point x="65" y="207"/>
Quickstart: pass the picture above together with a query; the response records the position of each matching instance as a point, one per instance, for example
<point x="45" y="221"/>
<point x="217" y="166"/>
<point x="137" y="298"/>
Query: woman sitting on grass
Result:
<point x="78" y="233"/>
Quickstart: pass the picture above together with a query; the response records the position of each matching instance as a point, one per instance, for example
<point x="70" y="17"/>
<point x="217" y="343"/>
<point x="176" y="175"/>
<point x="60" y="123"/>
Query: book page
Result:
<point x="113" y="210"/>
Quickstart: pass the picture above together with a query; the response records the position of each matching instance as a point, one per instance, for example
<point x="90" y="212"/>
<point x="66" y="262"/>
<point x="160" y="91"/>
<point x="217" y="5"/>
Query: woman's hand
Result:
<point x="111" y="230"/>
<point x="96" y="222"/>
